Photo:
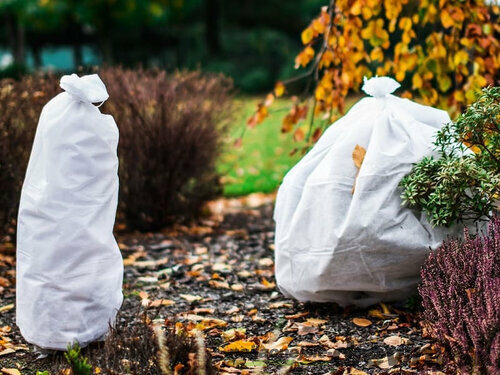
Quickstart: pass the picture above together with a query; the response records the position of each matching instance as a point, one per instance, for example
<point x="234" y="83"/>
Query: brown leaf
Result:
<point x="358" y="155"/>
<point x="361" y="322"/>
<point x="395" y="340"/>
<point x="386" y="362"/>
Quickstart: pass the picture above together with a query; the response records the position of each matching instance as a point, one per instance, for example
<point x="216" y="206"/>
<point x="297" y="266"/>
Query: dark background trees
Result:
<point x="250" y="40"/>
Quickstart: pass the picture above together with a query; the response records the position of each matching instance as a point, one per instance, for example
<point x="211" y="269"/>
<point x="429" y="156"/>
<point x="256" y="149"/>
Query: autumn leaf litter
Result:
<point x="218" y="277"/>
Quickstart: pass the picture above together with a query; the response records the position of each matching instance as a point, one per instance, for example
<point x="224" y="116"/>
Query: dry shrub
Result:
<point x="141" y="348"/>
<point x="20" y="105"/>
<point x="170" y="135"/>
<point x="460" y="293"/>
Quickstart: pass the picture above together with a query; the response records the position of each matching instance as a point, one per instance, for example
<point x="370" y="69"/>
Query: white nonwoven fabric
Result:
<point x="69" y="266"/>
<point x="361" y="247"/>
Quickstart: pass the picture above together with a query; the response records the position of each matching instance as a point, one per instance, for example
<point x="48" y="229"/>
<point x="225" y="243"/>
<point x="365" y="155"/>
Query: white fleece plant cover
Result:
<point x="69" y="267"/>
<point x="342" y="234"/>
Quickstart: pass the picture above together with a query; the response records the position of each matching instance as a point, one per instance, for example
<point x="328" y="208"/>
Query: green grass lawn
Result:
<point x="262" y="160"/>
<point x="260" y="163"/>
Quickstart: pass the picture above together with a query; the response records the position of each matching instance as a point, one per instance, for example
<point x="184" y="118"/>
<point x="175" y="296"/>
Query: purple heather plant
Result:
<point x="460" y="293"/>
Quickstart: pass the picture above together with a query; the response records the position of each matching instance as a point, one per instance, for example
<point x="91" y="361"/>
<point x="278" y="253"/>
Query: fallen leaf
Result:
<point x="239" y="346"/>
<point x="279" y="305"/>
<point x="203" y="310"/>
<point x="7" y="351"/>
<point x="161" y="302"/>
<point x="11" y="371"/>
<point x="358" y="155"/>
<point x="219" y="284"/>
<point x="298" y="315"/>
<point x="395" y="340"/>
<point x="266" y="262"/>
<point x="353" y="371"/>
<point x="6" y="307"/>
<point x="313" y="358"/>
<point x="278" y="345"/>
<point x="237" y="287"/>
<point x="191" y="297"/>
<point x="307" y="343"/>
<point x="386" y="362"/>
<point x="234" y="334"/>
<point x="327" y="343"/>
<point x="361" y="322"/>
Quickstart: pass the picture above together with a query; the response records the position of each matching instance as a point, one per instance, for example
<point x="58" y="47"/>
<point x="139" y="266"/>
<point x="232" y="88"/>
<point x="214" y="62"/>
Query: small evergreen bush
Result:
<point x="460" y="293"/>
<point x="464" y="182"/>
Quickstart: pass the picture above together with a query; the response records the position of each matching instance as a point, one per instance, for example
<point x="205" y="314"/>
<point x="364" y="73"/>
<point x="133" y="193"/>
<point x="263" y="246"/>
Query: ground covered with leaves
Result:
<point x="217" y="277"/>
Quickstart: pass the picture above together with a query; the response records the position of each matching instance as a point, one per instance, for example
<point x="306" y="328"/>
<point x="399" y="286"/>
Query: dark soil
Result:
<point x="222" y="268"/>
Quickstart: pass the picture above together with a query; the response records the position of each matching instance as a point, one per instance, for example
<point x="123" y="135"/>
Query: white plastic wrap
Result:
<point x="69" y="267"/>
<point x="358" y="246"/>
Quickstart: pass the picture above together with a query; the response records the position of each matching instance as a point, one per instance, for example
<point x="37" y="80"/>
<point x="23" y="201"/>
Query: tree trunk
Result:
<point x="77" y="55"/>
<point x="212" y="24"/>
<point x="16" y="39"/>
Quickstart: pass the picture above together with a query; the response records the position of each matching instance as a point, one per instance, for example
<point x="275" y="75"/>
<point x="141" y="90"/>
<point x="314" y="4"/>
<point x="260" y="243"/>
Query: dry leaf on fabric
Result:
<point x="358" y="155"/>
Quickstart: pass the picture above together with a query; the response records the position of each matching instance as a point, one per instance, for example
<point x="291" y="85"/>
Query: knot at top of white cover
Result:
<point x="380" y="86"/>
<point x="88" y="89"/>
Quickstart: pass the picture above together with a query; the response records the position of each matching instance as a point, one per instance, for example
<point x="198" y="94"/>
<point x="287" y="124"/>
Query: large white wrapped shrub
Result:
<point x="69" y="267"/>
<point x="342" y="234"/>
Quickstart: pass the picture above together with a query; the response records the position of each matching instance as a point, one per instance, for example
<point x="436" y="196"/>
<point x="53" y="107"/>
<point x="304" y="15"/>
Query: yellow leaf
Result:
<point x="446" y="19"/>
<point x="320" y="93"/>
<point x="239" y="346"/>
<point x="358" y="155"/>
<point x="405" y="24"/>
<point x="461" y="57"/>
<point x="307" y="35"/>
<point x="279" y="89"/>
<point x="361" y="322"/>
<point x="377" y="54"/>
<point x="417" y="81"/>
